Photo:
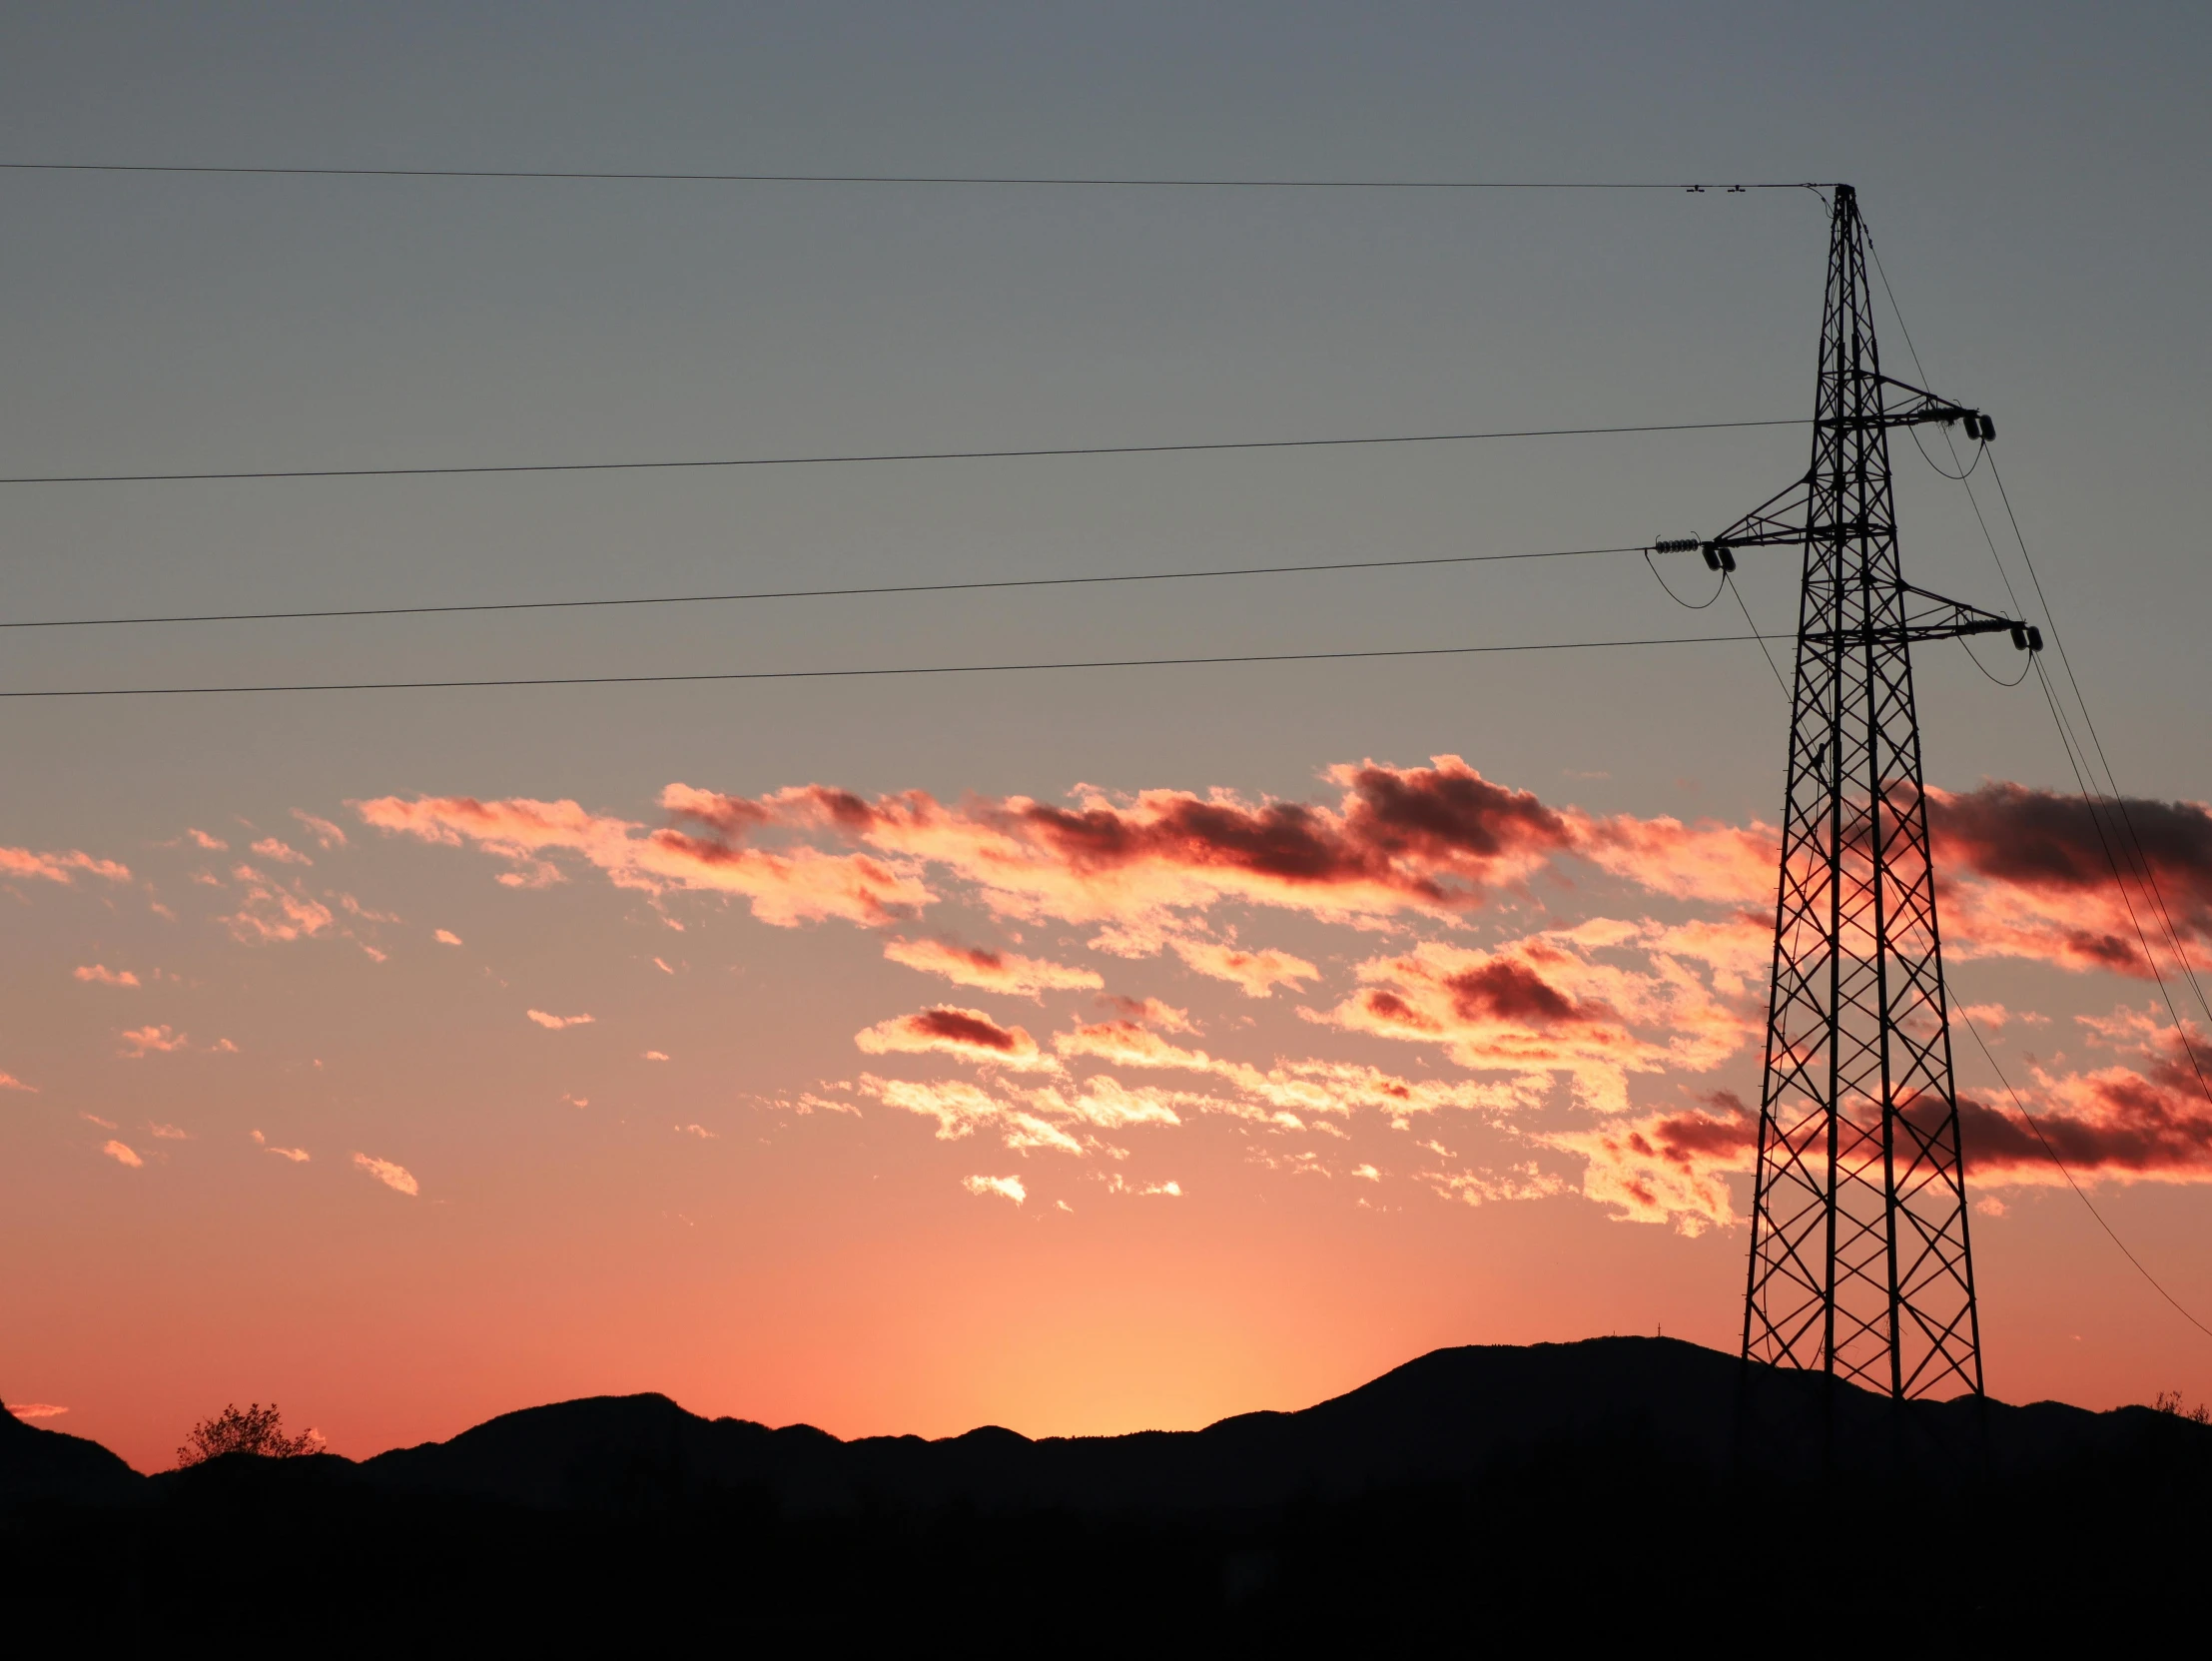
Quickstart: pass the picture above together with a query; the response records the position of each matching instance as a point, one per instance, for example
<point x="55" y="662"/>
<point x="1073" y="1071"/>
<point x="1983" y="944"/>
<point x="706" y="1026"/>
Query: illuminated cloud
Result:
<point x="122" y="1155"/>
<point x="1005" y="972"/>
<point x="8" y="1080"/>
<point x="1118" y="1184"/>
<point x="1256" y="973"/>
<point x="395" y="1176"/>
<point x="2144" y="1119"/>
<point x="201" y="839"/>
<point x="2027" y="874"/>
<point x="36" y="1409"/>
<point x="1007" y="1187"/>
<point x="168" y="1133"/>
<point x="1552" y="1003"/>
<point x="446" y="937"/>
<point x="65" y="867"/>
<point x="656" y="1054"/>
<point x="297" y="1156"/>
<point x="326" y="834"/>
<point x="557" y="1023"/>
<point x="1487" y="1188"/>
<point x="785" y="887"/>
<point x="1668" y="1167"/>
<point x="961" y="1109"/>
<point x="269" y="847"/>
<point x="1728" y="864"/>
<point x="141" y="1042"/>
<point x="98" y="973"/>
<point x="967" y="1034"/>
<point x="1151" y="1012"/>
<point x="699" y="1131"/>
<point x="272" y="914"/>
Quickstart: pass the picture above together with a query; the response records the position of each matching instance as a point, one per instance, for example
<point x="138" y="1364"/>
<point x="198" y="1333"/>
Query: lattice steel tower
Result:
<point x="1860" y="1261"/>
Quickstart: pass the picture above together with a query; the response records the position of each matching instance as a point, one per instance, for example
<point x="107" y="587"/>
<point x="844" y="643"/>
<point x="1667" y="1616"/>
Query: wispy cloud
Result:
<point x="64" y="867"/>
<point x="98" y="973"/>
<point x="557" y="1023"/>
<point x="8" y="1080"/>
<point x="969" y="1034"/>
<point x="1006" y="1187"/>
<point x="283" y="853"/>
<point x="122" y="1153"/>
<point x="36" y="1409"/>
<point x="167" y="1132"/>
<point x="297" y="1156"/>
<point x="1005" y="972"/>
<point x="395" y="1176"/>
<point x="446" y="937"/>
<point x="141" y="1042"/>
<point x="326" y="834"/>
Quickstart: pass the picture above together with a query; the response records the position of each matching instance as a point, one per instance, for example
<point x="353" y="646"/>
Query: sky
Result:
<point x="1079" y="1052"/>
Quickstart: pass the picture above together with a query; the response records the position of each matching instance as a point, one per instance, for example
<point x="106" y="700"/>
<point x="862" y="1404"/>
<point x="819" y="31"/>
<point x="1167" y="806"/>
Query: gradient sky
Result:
<point x="1304" y="1050"/>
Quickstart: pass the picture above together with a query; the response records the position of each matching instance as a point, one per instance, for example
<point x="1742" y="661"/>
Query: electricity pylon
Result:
<point x="1860" y="1265"/>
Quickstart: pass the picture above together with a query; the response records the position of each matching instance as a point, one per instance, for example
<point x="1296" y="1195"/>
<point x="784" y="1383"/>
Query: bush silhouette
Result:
<point x="256" y="1430"/>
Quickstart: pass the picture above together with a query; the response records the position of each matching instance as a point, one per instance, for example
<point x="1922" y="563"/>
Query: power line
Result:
<point x="899" y="455"/>
<point x="844" y="674"/>
<point x="2181" y="1030"/>
<point x="805" y="593"/>
<point x="2079" y="1193"/>
<point x="1723" y="188"/>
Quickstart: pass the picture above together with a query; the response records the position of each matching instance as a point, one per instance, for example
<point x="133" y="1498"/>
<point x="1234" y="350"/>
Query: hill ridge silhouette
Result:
<point x="1505" y="1489"/>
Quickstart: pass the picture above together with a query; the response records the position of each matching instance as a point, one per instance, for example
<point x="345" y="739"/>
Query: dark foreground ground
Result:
<point x="1641" y="1490"/>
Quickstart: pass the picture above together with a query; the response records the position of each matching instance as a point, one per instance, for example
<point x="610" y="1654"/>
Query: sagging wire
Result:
<point x="1686" y="605"/>
<point x="2080" y="1194"/>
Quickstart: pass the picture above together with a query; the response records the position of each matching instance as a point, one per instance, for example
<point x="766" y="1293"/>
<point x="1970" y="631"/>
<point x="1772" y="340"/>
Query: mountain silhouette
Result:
<point x="1506" y="1493"/>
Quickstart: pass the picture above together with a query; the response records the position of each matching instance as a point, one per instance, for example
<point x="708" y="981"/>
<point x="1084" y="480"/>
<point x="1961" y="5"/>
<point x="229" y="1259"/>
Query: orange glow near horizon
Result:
<point x="895" y="1115"/>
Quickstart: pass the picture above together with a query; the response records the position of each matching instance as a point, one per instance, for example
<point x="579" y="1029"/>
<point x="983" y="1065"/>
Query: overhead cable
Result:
<point x="2080" y="1194"/>
<point x="861" y="673"/>
<point x="1053" y="181"/>
<point x="887" y="456"/>
<point x="805" y="593"/>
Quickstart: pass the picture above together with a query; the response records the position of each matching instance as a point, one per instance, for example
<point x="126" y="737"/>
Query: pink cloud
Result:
<point x="1668" y="1167"/>
<point x="446" y="937"/>
<point x="656" y="1054"/>
<point x="297" y="1156"/>
<point x="1006" y="972"/>
<point x="966" y="1034"/>
<point x="1257" y="974"/>
<point x="35" y="1409"/>
<point x="269" y="847"/>
<point x="141" y="1042"/>
<point x="8" y="1080"/>
<point x="1553" y="1003"/>
<point x="557" y="1023"/>
<point x="1006" y="1187"/>
<point x="122" y="1155"/>
<point x="960" y="1109"/>
<point x="272" y="914"/>
<point x="395" y="1176"/>
<point x="168" y="1133"/>
<point x="326" y="834"/>
<point x="201" y="839"/>
<point x="98" y="973"/>
<point x="786" y="888"/>
<point x="65" y="867"/>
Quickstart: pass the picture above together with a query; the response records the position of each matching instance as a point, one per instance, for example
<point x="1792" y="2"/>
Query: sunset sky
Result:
<point x="1085" y="1051"/>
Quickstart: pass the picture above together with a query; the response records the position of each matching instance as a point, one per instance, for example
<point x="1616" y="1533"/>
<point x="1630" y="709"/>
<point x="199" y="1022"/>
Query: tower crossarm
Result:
<point x="1929" y="616"/>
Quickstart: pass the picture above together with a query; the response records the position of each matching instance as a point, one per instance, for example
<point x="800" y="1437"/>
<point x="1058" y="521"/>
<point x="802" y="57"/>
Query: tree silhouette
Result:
<point x="256" y="1430"/>
<point x="2169" y="1401"/>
